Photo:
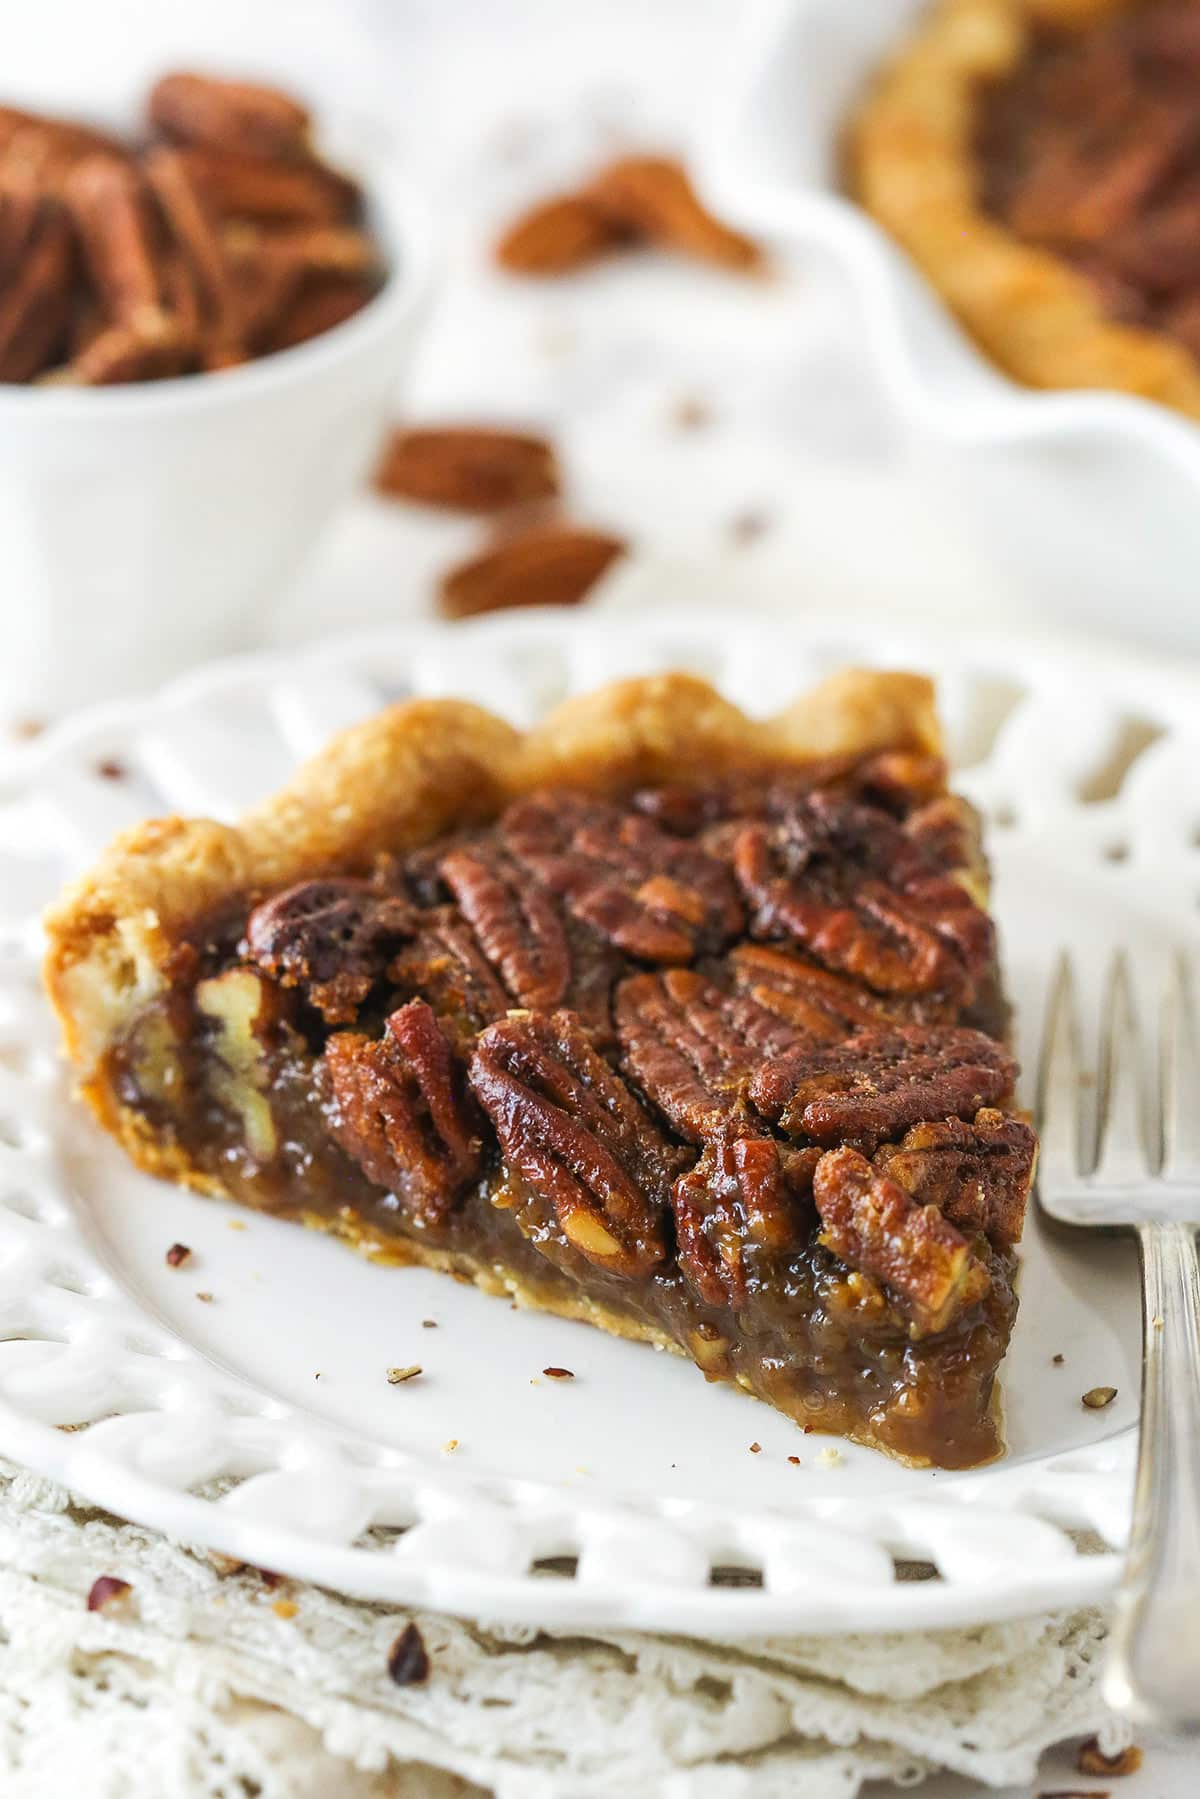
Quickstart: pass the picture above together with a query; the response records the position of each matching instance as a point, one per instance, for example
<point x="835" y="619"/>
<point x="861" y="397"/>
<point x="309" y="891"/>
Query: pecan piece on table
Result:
<point x="331" y="938"/>
<point x="847" y="883"/>
<point x="559" y="235"/>
<point x="652" y="197"/>
<point x="653" y="896"/>
<point x="873" y="1224"/>
<point x="744" y="1192"/>
<point x="880" y="1082"/>
<point x="444" y="965"/>
<point x="468" y="468"/>
<point x="515" y="919"/>
<point x="811" y="1000"/>
<point x="547" y="564"/>
<point x="575" y="1135"/>
<point x="399" y="1109"/>
<point x="692" y="1047"/>
<point x="976" y="1173"/>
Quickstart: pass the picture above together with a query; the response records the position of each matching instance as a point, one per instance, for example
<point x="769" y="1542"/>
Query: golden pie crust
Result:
<point x="911" y="162"/>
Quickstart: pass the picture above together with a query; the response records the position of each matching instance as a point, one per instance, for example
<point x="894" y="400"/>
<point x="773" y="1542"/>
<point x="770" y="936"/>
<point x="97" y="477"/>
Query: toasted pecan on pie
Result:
<point x="656" y="1017"/>
<point x="1040" y="160"/>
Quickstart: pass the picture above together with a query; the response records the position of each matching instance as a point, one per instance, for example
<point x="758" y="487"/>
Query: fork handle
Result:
<point x="1154" y="1664"/>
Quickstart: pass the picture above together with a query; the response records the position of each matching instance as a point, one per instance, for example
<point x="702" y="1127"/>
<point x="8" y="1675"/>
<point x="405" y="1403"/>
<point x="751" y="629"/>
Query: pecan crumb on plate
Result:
<point x="408" y="1659"/>
<point x="558" y="1373"/>
<point x="177" y="1255"/>
<point x="1096" y="1398"/>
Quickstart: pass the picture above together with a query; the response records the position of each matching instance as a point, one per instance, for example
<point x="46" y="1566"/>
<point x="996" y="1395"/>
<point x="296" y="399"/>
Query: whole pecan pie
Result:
<point x="656" y="1017"/>
<point x="1040" y="160"/>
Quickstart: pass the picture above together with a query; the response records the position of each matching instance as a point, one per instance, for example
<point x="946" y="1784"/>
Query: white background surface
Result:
<point x="490" y="103"/>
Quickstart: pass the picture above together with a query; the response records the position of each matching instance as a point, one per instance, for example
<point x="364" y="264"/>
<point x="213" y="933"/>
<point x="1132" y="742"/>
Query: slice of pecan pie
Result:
<point x="1040" y="159"/>
<point x="656" y="1017"/>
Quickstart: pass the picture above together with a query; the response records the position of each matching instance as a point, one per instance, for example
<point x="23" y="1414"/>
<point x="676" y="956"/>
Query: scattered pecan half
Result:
<point x="558" y="236"/>
<point x="634" y="200"/>
<point x="692" y="1048"/>
<point x="229" y="115"/>
<point x="331" y="938"/>
<point x="652" y="896"/>
<point x="811" y="1000"/>
<point x="516" y="921"/>
<point x="976" y="1173"/>
<point x="577" y="1138"/>
<point x="847" y="882"/>
<point x="873" y="1225"/>
<point x="743" y="1193"/>
<point x="444" y="965"/>
<point x="399" y="1110"/>
<point x="467" y="468"/>
<point x="879" y="1082"/>
<point x="545" y="565"/>
<point x="652" y="197"/>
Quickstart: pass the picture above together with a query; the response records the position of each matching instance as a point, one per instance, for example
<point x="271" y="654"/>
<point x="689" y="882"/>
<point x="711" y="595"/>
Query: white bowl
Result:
<point x="149" y="527"/>
<point x="1122" y="537"/>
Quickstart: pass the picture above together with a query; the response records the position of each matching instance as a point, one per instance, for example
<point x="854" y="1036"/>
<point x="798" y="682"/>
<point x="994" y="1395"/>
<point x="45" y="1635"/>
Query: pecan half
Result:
<point x="445" y="965"/>
<point x="559" y="235"/>
<point x="318" y="307"/>
<point x="847" y="882"/>
<point x="977" y="1174"/>
<point x="195" y="230"/>
<point x="332" y="939"/>
<point x="229" y="115"/>
<point x="107" y="202"/>
<point x="516" y="921"/>
<point x="692" y="1048"/>
<point x="810" y="999"/>
<point x="575" y="1135"/>
<point x="399" y="1110"/>
<point x="35" y="302"/>
<point x="653" y="896"/>
<point x="253" y="187"/>
<point x="880" y="1082"/>
<point x="467" y="468"/>
<point x="873" y="1225"/>
<point x="545" y="565"/>
<point x="653" y="197"/>
<point x="742" y="1194"/>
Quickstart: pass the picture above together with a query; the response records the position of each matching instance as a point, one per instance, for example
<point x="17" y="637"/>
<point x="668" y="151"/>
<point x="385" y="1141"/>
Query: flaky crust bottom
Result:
<point x="911" y="162"/>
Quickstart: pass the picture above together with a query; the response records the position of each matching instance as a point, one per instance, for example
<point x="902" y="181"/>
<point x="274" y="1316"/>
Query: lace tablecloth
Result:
<point x="212" y="1682"/>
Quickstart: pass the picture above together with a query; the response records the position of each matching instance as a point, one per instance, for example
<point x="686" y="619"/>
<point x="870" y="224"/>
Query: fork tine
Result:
<point x="1121" y="1159"/>
<point x="1058" y="1084"/>
<point x="1180" y="1077"/>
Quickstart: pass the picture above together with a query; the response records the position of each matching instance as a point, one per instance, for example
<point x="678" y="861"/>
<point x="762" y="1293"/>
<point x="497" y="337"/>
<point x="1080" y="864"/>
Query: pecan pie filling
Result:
<point x="720" y="1066"/>
<point x="1090" y="148"/>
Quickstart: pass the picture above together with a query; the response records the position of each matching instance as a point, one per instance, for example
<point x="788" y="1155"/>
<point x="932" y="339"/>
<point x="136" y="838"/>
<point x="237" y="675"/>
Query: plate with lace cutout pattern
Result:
<point x="240" y="1400"/>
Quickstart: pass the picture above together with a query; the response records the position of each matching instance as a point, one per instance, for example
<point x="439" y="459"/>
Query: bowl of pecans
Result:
<point x="201" y="328"/>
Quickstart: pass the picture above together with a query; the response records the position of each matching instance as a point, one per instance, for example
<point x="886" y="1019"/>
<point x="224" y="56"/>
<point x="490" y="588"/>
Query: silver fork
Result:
<point x="1141" y="1172"/>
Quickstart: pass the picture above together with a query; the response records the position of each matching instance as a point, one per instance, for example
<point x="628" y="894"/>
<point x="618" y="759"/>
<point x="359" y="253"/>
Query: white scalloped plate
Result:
<point x="259" y="1422"/>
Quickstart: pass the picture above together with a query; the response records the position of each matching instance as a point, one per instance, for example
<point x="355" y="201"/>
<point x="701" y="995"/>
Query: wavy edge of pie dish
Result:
<point x="934" y="373"/>
<point x="828" y="1561"/>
